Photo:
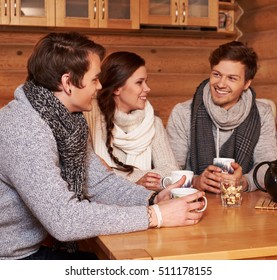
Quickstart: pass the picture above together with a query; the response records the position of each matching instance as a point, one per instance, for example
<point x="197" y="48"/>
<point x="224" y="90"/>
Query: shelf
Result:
<point x="227" y="6"/>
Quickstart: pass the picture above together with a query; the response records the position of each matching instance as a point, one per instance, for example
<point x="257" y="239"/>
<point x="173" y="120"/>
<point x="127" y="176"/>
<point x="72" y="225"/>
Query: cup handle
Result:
<point x="205" y="206"/>
<point x="164" y="179"/>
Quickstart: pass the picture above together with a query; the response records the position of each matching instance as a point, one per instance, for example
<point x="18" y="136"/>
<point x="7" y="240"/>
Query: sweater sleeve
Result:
<point x="163" y="160"/>
<point x="30" y="166"/>
<point x="178" y="130"/>
<point x="107" y="187"/>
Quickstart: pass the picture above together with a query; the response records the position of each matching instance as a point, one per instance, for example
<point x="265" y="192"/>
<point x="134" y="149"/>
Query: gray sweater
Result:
<point x="178" y="129"/>
<point x="34" y="199"/>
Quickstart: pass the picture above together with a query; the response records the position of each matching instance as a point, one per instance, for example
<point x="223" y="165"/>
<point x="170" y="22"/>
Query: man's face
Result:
<point x="227" y="83"/>
<point x="81" y="98"/>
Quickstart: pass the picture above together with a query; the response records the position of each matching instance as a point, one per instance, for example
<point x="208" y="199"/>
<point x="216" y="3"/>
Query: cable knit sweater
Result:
<point x="34" y="199"/>
<point x="178" y="129"/>
<point x="163" y="160"/>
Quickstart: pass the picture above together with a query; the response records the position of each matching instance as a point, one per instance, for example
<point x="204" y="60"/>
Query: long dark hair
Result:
<point x="116" y="69"/>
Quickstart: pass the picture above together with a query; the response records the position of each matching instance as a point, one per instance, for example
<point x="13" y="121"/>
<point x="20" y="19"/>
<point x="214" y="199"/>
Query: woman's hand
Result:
<point x="165" y="194"/>
<point x="151" y="181"/>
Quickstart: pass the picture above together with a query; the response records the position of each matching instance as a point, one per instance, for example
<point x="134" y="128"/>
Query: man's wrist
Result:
<point x="153" y="199"/>
<point x="158" y="213"/>
<point x="152" y="218"/>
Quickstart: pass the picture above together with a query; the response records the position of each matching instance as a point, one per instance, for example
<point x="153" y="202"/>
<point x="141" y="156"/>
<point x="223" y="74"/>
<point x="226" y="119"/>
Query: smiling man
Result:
<point x="224" y="119"/>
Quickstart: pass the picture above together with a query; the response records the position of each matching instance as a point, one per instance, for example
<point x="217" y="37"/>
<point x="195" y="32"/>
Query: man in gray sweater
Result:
<point x="51" y="182"/>
<point x="224" y="119"/>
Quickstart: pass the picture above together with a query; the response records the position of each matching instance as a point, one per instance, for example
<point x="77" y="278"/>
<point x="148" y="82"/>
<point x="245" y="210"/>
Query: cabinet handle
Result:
<point x="94" y="9"/>
<point x="14" y="8"/>
<point x="6" y="8"/>
<point x="103" y="9"/>
<point x="183" y="12"/>
<point x="176" y="12"/>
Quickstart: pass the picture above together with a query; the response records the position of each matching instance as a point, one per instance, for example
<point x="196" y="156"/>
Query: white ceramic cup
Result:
<point x="176" y="176"/>
<point x="224" y="164"/>
<point x="180" y="192"/>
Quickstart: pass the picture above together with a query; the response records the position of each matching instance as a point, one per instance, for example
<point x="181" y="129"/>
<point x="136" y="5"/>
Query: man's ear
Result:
<point x="66" y="84"/>
<point x="247" y="84"/>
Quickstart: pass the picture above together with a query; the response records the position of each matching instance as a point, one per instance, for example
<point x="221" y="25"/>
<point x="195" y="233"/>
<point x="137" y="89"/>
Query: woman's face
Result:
<point x="133" y="94"/>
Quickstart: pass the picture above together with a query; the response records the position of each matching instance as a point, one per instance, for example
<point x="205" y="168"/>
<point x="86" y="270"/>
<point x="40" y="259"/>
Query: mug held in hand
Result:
<point x="180" y="192"/>
<point x="176" y="175"/>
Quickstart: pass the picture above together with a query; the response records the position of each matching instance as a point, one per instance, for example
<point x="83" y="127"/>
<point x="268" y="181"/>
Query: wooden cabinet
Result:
<point x="118" y="14"/>
<point x="121" y="14"/>
<point x="179" y="12"/>
<point x="27" y="12"/>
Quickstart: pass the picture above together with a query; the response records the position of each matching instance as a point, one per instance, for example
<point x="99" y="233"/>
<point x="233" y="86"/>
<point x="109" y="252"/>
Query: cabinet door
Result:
<point x="27" y="12"/>
<point x="119" y="14"/>
<point x="77" y="13"/>
<point x="179" y="12"/>
<point x="158" y="12"/>
<point x="201" y="12"/>
<point x="98" y="13"/>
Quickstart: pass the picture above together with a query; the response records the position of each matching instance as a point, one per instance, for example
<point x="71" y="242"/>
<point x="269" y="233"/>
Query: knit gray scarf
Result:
<point x="70" y="131"/>
<point x="240" y="145"/>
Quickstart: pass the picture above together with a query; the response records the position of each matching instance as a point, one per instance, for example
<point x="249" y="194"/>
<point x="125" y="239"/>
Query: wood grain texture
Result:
<point x="223" y="233"/>
<point x="259" y="20"/>
<point x="176" y="64"/>
<point x="259" y="26"/>
<point x="249" y="5"/>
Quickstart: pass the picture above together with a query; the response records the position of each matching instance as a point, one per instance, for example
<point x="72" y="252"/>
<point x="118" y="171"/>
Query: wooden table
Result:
<point x="223" y="233"/>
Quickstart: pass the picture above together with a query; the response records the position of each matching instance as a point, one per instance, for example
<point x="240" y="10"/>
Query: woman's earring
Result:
<point x="69" y="90"/>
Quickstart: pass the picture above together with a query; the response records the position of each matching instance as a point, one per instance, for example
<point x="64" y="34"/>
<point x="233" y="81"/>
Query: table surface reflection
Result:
<point x="223" y="233"/>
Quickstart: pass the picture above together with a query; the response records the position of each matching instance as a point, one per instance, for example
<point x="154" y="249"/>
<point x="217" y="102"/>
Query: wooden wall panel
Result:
<point x="174" y="84"/>
<point x="267" y="72"/>
<point x="175" y="64"/>
<point x="259" y="20"/>
<point x="264" y="43"/>
<point x="171" y="60"/>
<point x="256" y="4"/>
<point x="259" y="26"/>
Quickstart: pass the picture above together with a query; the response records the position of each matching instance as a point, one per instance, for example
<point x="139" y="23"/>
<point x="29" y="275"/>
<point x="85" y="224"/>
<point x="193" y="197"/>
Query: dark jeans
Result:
<point x="47" y="253"/>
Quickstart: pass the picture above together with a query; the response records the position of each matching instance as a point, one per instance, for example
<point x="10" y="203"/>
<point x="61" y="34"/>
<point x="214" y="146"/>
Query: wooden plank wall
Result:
<point x="259" y="26"/>
<point x="175" y="64"/>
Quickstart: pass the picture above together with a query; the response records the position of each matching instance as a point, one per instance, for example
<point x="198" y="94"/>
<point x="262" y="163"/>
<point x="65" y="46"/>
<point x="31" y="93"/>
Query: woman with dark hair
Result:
<point x="125" y="132"/>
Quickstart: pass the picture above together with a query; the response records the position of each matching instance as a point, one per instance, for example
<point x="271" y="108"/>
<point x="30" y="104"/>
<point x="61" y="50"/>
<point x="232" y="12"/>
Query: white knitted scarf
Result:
<point x="133" y="134"/>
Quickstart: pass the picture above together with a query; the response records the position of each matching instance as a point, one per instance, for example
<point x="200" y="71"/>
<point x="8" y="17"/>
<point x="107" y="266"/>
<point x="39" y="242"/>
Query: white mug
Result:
<point x="180" y="192"/>
<point x="176" y="176"/>
<point x="224" y="164"/>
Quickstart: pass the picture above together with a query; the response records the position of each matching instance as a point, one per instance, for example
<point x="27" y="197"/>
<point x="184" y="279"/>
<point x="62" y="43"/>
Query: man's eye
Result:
<point x="232" y="79"/>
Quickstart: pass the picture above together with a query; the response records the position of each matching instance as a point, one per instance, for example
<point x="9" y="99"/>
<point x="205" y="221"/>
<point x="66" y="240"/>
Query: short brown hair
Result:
<point x="60" y="53"/>
<point x="236" y="51"/>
